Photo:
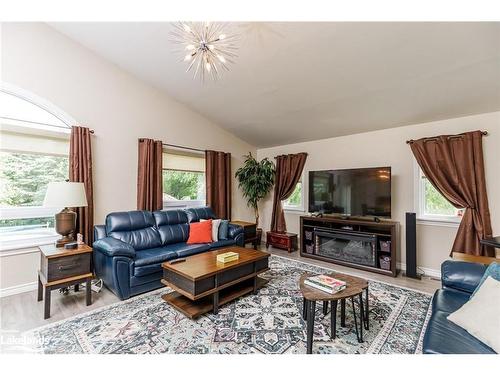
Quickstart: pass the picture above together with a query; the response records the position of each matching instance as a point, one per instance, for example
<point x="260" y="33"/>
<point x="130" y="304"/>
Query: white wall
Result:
<point x="118" y="106"/>
<point x="388" y="148"/>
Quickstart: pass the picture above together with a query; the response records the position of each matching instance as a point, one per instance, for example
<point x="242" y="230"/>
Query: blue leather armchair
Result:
<point x="130" y="247"/>
<point x="459" y="280"/>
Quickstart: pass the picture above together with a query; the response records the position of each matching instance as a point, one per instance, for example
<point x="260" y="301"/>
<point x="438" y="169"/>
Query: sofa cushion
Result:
<point x="195" y="214"/>
<point x="146" y="275"/>
<point x="172" y="225"/>
<point x="215" y="228"/>
<point x="222" y="243"/>
<point x="479" y="316"/>
<point x="493" y="270"/>
<point x="155" y="255"/>
<point x="149" y="261"/>
<point x="445" y="337"/>
<point x="183" y="250"/>
<point x="200" y="232"/>
<point x="448" y="300"/>
<point x="464" y="276"/>
<point x="136" y="228"/>
<point x="223" y="229"/>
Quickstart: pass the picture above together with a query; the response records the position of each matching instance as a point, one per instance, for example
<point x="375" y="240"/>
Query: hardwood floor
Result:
<point x="22" y="312"/>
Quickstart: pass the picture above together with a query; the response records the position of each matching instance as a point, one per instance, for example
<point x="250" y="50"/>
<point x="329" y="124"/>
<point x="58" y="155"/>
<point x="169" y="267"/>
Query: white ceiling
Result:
<point x="297" y="81"/>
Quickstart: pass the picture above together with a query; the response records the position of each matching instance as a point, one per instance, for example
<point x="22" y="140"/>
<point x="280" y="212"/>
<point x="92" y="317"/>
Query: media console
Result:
<point x="363" y="244"/>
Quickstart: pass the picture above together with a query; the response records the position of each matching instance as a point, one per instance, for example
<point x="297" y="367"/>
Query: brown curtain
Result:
<point x="288" y="172"/>
<point x="218" y="182"/>
<point x="454" y="166"/>
<point x="149" y="175"/>
<point x="80" y="170"/>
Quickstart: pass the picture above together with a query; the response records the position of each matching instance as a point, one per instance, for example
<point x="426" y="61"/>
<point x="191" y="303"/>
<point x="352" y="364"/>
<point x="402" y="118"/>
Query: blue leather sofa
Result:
<point x="130" y="247"/>
<point x="459" y="279"/>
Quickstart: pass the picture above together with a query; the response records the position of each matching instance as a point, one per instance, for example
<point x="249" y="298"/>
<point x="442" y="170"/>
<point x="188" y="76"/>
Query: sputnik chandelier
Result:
<point x="206" y="47"/>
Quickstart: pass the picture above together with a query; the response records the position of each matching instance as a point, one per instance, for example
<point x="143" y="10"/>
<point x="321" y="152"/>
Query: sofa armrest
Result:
<point x="112" y="247"/>
<point x="99" y="232"/>
<point x="233" y="230"/>
<point x="463" y="276"/>
<point x="236" y="232"/>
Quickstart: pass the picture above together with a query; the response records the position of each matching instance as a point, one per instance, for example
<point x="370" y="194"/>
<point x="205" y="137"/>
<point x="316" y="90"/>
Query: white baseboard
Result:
<point x="422" y="270"/>
<point x="16" y="289"/>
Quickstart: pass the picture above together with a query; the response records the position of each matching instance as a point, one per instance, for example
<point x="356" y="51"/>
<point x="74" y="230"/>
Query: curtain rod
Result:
<point x="484" y="132"/>
<point x="42" y="123"/>
<point x="177" y="146"/>
<point x="183" y="147"/>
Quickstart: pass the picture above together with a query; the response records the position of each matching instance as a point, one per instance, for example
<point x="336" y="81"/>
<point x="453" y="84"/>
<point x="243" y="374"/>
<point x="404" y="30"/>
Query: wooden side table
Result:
<point x="249" y="231"/>
<point x="354" y="289"/>
<point x="60" y="267"/>
<point x="282" y="240"/>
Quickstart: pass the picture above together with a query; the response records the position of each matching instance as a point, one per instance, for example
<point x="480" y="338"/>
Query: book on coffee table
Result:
<point x="325" y="283"/>
<point x="227" y="257"/>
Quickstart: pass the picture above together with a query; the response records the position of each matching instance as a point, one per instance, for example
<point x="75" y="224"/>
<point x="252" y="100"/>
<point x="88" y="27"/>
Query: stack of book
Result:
<point x="326" y="283"/>
<point x="227" y="257"/>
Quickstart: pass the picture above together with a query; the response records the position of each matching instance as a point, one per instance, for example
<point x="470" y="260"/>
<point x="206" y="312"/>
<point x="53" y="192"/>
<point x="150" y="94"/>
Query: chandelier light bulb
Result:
<point x="206" y="48"/>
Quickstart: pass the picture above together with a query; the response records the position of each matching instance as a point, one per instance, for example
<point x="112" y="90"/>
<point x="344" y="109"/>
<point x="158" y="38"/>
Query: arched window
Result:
<point x="34" y="147"/>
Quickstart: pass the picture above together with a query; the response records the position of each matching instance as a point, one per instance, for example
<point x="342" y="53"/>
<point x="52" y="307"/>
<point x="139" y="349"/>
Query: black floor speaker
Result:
<point x="411" y="246"/>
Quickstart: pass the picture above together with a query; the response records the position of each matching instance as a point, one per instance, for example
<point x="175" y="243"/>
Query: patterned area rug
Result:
<point x="268" y="322"/>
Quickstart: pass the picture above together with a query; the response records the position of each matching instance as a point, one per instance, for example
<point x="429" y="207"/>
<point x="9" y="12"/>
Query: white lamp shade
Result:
<point x="65" y="194"/>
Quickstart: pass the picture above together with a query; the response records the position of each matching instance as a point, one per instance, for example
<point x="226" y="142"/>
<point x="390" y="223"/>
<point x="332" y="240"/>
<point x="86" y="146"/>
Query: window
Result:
<point x="431" y="205"/>
<point x="296" y="201"/>
<point x="183" y="179"/>
<point x="34" y="147"/>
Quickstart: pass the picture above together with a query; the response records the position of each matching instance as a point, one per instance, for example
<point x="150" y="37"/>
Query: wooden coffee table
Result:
<point x="201" y="284"/>
<point x="354" y="289"/>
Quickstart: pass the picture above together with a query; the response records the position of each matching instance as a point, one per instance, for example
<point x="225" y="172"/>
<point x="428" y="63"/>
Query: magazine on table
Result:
<point x="326" y="283"/>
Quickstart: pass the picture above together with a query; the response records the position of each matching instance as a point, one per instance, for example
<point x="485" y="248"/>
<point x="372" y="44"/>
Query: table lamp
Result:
<point x="65" y="194"/>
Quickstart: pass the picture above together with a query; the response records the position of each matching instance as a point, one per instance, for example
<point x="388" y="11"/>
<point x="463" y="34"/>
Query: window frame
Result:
<point x="301" y="207"/>
<point x="188" y="203"/>
<point x="29" y="212"/>
<point x="419" y="204"/>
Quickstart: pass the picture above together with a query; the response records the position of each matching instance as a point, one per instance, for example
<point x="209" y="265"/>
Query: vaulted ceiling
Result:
<point x="298" y="81"/>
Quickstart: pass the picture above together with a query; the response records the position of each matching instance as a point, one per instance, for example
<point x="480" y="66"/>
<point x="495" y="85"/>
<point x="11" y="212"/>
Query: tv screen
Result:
<point x="353" y="192"/>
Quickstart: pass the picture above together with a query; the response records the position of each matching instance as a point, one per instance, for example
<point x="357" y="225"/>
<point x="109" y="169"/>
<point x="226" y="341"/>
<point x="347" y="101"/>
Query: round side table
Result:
<point x="354" y="289"/>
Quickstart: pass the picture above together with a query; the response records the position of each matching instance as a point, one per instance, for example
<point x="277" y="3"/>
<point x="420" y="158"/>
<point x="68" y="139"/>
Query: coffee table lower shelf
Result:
<point x="193" y="309"/>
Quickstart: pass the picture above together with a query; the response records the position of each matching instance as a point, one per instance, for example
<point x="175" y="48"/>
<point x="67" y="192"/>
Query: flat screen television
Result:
<point x="351" y="192"/>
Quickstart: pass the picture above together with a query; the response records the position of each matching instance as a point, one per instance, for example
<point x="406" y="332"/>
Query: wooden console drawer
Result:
<point x="67" y="266"/>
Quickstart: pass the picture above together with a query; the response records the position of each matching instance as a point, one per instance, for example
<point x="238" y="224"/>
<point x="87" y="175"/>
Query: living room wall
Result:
<point x="388" y="148"/>
<point x="118" y="106"/>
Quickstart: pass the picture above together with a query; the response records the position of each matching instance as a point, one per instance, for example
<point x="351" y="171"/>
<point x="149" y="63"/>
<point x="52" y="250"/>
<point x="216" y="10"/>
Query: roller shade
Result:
<point x="183" y="162"/>
<point x="33" y="144"/>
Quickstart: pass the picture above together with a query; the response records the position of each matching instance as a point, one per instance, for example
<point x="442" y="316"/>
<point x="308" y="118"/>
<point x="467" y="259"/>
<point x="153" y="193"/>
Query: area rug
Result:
<point x="268" y="322"/>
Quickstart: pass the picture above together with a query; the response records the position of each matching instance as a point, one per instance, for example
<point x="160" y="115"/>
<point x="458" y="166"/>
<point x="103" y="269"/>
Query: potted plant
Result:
<point x="255" y="179"/>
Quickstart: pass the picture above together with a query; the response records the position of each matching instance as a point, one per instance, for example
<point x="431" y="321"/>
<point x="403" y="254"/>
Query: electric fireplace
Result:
<point x="351" y="247"/>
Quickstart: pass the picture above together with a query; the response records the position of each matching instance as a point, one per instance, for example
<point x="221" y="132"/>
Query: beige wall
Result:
<point x="118" y="106"/>
<point x="388" y="148"/>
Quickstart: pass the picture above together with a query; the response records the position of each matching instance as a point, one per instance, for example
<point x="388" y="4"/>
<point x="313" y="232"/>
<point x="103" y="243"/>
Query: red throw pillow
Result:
<point x="200" y="232"/>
